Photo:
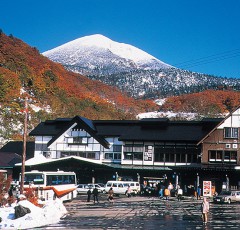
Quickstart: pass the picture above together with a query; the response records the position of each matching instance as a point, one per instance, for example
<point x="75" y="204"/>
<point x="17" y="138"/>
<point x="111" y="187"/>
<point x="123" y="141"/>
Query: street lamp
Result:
<point x="197" y="180"/>
<point x="93" y="177"/>
<point x="138" y="178"/>
<point x="227" y="183"/>
<point x="176" y="179"/>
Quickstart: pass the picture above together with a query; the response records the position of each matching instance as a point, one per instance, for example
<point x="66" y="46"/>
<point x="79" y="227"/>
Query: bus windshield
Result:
<point x="60" y="179"/>
<point x="35" y="178"/>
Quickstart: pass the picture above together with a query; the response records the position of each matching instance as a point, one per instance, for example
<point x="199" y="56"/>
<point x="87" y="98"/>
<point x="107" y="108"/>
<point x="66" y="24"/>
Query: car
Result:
<point x="121" y="187"/>
<point x="82" y="188"/>
<point x="101" y="185"/>
<point x="227" y="197"/>
<point x="100" y="189"/>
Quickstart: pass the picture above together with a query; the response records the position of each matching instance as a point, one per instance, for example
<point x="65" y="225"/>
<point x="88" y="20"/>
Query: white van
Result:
<point x="120" y="187"/>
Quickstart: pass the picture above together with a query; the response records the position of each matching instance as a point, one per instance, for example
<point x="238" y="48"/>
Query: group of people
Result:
<point x="95" y="193"/>
<point x="163" y="191"/>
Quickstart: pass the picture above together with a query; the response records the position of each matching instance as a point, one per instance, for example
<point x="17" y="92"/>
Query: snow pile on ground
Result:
<point x="51" y="213"/>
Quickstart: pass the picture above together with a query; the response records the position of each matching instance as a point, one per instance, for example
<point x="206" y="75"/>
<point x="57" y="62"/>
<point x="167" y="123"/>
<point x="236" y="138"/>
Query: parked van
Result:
<point x="120" y="187"/>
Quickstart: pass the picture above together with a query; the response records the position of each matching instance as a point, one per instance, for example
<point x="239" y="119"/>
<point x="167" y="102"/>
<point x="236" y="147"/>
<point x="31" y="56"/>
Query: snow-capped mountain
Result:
<point x="131" y="69"/>
<point x="97" y="54"/>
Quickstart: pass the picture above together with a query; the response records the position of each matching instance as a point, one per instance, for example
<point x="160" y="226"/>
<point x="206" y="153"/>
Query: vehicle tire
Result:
<point x="229" y="201"/>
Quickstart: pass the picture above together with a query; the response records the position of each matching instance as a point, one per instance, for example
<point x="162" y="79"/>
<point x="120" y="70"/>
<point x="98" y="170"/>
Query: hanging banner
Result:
<point x="207" y="188"/>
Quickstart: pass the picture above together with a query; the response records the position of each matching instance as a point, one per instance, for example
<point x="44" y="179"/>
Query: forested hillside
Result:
<point x="53" y="91"/>
<point x="210" y="103"/>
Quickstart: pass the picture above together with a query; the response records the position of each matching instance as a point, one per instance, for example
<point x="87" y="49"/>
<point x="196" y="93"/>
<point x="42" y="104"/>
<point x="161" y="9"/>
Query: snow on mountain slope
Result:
<point x="97" y="52"/>
<point x="130" y="69"/>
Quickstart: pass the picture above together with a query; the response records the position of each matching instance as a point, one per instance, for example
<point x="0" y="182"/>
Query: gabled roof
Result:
<point x="217" y="125"/>
<point x="58" y="127"/>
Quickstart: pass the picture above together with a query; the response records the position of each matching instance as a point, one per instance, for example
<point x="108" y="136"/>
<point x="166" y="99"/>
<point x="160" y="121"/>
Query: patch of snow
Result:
<point x="169" y="114"/>
<point x="36" y="108"/>
<point x="50" y="213"/>
<point x="160" y="101"/>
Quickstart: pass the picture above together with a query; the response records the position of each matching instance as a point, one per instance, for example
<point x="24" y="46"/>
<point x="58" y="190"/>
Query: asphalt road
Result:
<point x="146" y="213"/>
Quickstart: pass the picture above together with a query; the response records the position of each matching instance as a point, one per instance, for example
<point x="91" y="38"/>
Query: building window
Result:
<point x="77" y="140"/>
<point x="222" y="156"/>
<point x="133" y="152"/>
<point x="113" y="156"/>
<point x="41" y="147"/>
<point x="230" y="132"/>
<point x="89" y="155"/>
<point x="109" y="156"/>
<point x="117" y="148"/>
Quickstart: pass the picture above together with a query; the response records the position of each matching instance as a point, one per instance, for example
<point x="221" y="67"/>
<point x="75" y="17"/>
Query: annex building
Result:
<point x="182" y="152"/>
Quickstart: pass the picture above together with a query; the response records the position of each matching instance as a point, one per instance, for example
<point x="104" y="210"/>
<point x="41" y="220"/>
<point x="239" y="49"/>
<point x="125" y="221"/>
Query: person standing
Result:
<point x="170" y="188"/>
<point x="205" y="210"/>
<point x="89" y="195"/>
<point x="199" y="193"/>
<point x="179" y="193"/>
<point x="95" y="194"/>
<point x="162" y="187"/>
<point x="167" y="193"/>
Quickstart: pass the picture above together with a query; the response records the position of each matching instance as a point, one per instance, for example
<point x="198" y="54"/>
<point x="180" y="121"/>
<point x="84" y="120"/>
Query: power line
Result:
<point x="209" y="59"/>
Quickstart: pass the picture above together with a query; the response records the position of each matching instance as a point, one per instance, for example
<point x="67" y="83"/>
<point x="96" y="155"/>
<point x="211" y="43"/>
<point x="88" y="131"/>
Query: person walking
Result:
<point x="95" y="195"/>
<point x="129" y="191"/>
<point x="205" y="210"/>
<point x="110" y="195"/>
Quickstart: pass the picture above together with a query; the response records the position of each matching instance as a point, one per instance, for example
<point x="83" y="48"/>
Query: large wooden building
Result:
<point x="183" y="152"/>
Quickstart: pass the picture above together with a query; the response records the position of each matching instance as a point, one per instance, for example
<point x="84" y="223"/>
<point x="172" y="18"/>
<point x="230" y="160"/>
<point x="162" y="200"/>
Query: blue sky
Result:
<point x="197" y="35"/>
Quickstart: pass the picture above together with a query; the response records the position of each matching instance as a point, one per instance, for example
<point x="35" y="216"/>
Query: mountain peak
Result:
<point x="98" y="43"/>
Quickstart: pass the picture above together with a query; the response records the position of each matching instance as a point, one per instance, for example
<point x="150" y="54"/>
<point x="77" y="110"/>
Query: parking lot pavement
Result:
<point x="146" y="213"/>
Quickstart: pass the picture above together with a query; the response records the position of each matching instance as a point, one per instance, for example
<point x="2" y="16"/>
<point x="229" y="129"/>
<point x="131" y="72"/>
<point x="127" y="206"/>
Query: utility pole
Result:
<point x="24" y="143"/>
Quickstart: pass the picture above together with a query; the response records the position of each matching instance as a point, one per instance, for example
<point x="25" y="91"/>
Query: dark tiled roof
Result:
<point x="8" y="160"/>
<point x="156" y="129"/>
<point x="51" y="127"/>
<point x="134" y="130"/>
<point x="17" y="147"/>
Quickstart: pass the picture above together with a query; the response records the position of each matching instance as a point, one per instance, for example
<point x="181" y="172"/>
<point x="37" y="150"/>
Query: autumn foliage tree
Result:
<point x="5" y="183"/>
<point x="56" y="91"/>
<point x="209" y="103"/>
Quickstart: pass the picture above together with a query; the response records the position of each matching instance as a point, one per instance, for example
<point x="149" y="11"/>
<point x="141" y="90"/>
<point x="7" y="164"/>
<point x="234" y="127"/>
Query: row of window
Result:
<point x="230" y="132"/>
<point x="222" y="156"/>
<point x="89" y="155"/>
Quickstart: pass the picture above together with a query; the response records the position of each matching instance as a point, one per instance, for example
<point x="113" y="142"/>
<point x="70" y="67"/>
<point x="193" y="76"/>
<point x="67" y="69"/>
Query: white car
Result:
<point x="83" y="188"/>
<point x="227" y="197"/>
<point x="100" y="188"/>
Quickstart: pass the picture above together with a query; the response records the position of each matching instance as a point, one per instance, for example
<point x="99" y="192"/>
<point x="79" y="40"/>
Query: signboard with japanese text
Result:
<point x="207" y="188"/>
<point x="148" y="153"/>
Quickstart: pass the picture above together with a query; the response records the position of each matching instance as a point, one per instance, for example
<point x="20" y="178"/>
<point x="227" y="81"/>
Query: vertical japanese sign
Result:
<point x="207" y="188"/>
<point x="148" y="153"/>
